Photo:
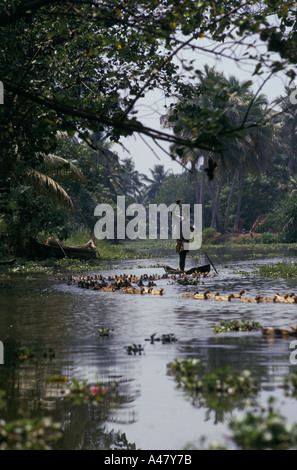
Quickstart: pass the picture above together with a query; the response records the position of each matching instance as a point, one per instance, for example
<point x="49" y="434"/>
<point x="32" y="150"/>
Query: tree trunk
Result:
<point x="212" y="191"/>
<point x="292" y="153"/>
<point x="216" y="220"/>
<point x="202" y="189"/>
<point x="240" y="190"/>
<point x="195" y="176"/>
<point x="217" y="200"/>
<point x="226" y="224"/>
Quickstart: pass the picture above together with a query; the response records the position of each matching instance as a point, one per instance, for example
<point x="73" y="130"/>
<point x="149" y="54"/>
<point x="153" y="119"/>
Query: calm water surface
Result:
<point x="148" y="411"/>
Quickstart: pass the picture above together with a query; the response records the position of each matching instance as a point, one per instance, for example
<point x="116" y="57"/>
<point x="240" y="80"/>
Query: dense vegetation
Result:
<point x="73" y="73"/>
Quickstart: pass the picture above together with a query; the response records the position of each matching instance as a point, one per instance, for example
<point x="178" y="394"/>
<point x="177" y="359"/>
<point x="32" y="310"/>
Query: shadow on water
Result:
<point x="61" y="322"/>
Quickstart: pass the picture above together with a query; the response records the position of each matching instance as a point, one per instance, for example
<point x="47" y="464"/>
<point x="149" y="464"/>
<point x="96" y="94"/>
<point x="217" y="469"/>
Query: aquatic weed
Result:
<point x="283" y="269"/>
<point x="236" y="325"/>
<point x="25" y="433"/>
<point x="189" y="282"/>
<point x="290" y="384"/>
<point x="29" y="434"/>
<point x="264" y="430"/>
<point x="192" y="376"/>
<point x="164" y="338"/>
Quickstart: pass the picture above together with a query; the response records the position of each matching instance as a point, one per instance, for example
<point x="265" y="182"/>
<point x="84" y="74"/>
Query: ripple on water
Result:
<point x="52" y="314"/>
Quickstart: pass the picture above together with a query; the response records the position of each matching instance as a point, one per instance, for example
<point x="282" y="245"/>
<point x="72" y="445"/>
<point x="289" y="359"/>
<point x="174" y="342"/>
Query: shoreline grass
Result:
<point x="283" y="269"/>
<point x="146" y="249"/>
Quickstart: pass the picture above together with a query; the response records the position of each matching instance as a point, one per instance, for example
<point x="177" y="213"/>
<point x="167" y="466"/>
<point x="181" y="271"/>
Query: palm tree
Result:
<point x="158" y="175"/>
<point x="45" y="178"/>
<point x="204" y="98"/>
<point x="132" y="179"/>
<point x="240" y="153"/>
<point x="260" y="144"/>
<point x="288" y="129"/>
<point x="107" y="163"/>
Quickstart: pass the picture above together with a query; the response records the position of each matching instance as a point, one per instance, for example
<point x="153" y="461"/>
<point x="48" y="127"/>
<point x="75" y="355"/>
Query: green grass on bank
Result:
<point x="148" y="249"/>
<point x="109" y="253"/>
<point x="283" y="269"/>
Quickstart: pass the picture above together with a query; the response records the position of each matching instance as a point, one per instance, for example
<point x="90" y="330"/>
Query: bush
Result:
<point x="290" y="220"/>
<point x="268" y="238"/>
<point x="207" y="235"/>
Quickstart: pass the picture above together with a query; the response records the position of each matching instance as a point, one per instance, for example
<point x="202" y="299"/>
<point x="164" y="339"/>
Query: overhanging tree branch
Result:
<point x="125" y="126"/>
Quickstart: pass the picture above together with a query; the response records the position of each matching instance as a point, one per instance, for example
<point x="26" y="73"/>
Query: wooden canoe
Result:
<point x="44" y="250"/>
<point x="10" y="261"/>
<point x="198" y="269"/>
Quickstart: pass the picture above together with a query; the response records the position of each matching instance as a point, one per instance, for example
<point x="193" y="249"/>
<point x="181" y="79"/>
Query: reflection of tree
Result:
<point x="85" y="429"/>
<point x="216" y="407"/>
<point x="83" y="424"/>
<point x="235" y="356"/>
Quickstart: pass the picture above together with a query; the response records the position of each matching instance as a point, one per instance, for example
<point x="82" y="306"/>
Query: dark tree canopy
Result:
<point x="83" y="65"/>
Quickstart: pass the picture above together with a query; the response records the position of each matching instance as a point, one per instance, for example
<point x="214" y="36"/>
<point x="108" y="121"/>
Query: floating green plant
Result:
<point x="282" y="269"/>
<point x="164" y="338"/>
<point x="290" y="384"/>
<point x="192" y="376"/>
<point x="236" y="325"/>
<point x="57" y="379"/>
<point x="134" y="349"/>
<point x="81" y="392"/>
<point x="259" y="429"/>
<point x="263" y="431"/>
<point x="243" y="273"/>
<point x="29" y="354"/>
<point x="104" y="332"/>
<point x="26" y="353"/>
<point x="189" y="282"/>
<point x="29" y="434"/>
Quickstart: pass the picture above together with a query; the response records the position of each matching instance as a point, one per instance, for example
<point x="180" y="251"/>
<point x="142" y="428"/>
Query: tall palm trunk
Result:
<point x="292" y="153"/>
<point x="217" y="200"/>
<point x="215" y="192"/>
<point x="211" y="188"/>
<point x="196" y="184"/>
<point x="239" y="200"/>
<point x="226" y="224"/>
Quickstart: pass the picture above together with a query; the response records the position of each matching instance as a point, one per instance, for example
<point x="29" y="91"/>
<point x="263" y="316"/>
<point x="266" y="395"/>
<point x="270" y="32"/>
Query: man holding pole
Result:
<point x="183" y="244"/>
<point x="180" y="240"/>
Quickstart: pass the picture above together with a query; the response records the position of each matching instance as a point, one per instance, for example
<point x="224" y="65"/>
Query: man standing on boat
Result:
<point x="178" y="234"/>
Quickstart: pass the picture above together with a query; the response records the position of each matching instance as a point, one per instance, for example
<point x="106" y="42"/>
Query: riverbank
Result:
<point x="216" y="244"/>
<point x="146" y="250"/>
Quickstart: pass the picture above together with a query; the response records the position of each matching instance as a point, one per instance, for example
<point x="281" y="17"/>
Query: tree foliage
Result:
<point x="81" y="67"/>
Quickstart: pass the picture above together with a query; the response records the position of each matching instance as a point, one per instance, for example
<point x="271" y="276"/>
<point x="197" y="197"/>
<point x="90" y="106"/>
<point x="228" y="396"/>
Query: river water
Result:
<point x="147" y="411"/>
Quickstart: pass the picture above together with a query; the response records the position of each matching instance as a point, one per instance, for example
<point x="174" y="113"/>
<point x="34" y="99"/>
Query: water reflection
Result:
<point x="147" y="411"/>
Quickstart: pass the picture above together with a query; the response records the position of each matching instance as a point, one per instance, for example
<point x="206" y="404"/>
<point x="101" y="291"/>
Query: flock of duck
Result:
<point x="285" y="298"/>
<point x="127" y="283"/>
<point x="123" y="283"/>
<point x="146" y="284"/>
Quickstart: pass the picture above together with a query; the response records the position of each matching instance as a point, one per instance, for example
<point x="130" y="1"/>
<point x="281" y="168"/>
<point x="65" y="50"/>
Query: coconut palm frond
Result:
<point x="46" y="186"/>
<point x="54" y="163"/>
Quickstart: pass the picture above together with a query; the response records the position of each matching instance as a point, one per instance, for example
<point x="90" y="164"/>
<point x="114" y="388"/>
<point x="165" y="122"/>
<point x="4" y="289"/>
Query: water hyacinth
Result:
<point x="290" y="384"/>
<point x="281" y="269"/>
<point x="29" y="434"/>
<point x="236" y="325"/>
<point x="191" y="374"/>
<point x="263" y="431"/>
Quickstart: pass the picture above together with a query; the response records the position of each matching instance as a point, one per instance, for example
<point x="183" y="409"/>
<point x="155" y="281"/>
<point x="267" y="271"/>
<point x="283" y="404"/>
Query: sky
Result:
<point x="146" y="154"/>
